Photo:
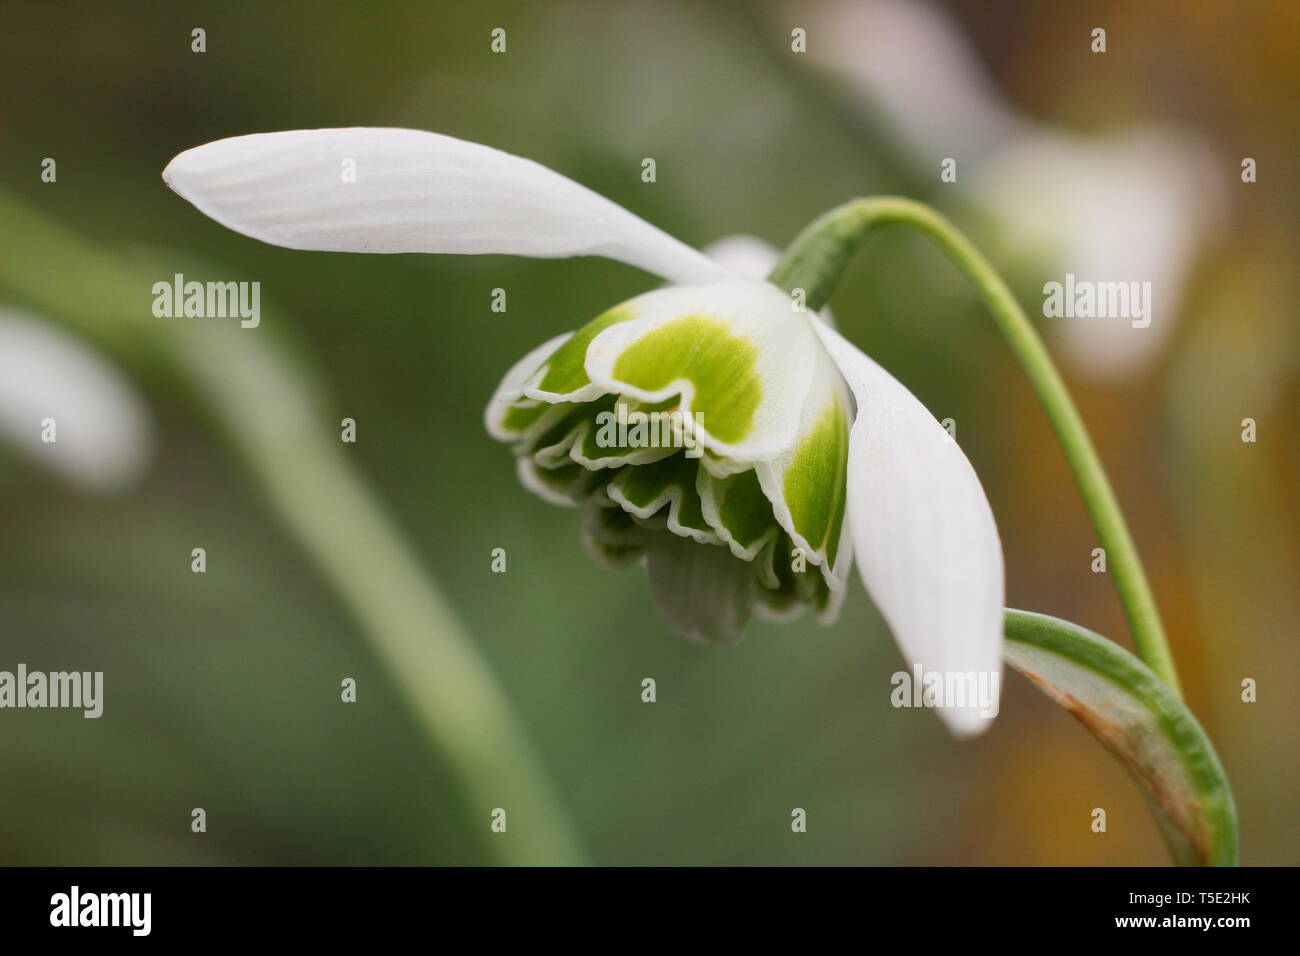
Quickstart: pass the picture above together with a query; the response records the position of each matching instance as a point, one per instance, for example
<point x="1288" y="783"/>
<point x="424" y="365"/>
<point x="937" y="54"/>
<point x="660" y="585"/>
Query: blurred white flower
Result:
<point x="52" y="384"/>
<point x="1126" y="205"/>
<point x="1123" y="207"/>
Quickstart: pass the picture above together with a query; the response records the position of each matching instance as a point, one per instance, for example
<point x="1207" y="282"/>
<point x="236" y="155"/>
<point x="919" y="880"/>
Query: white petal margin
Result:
<point x="923" y="533"/>
<point x="102" y="429"/>
<point x="400" y="190"/>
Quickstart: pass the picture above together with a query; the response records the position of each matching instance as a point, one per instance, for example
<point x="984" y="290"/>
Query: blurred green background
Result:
<point x="222" y="689"/>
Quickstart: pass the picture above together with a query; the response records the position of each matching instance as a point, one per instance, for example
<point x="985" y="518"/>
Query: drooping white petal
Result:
<point x="923" y="534"/>
<point x="399" y="190"/>
<point x="52" y="386"/>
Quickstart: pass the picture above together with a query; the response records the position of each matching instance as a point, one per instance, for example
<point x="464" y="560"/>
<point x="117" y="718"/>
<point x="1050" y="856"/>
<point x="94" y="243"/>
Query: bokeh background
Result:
<point x="222" y="689"/>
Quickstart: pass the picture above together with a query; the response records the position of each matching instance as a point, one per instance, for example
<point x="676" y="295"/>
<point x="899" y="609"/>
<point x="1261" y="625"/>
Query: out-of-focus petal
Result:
<point x="1123" y="207"/>
<point x="50" y="383"/>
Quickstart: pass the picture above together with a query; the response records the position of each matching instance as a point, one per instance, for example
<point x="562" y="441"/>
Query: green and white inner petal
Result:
<point x="738" y="510"/>
<point x="737" y="353"/>
<point x="807" y="483"/>
<point x="632" y="433"/>
<point x="611" y="534"/>
<point x="770" y="408"/>
<point x="563" y="377"/>
<point x="509" y="414"/>
<point x="644" y="491"/>
<point x="565" y="486"/>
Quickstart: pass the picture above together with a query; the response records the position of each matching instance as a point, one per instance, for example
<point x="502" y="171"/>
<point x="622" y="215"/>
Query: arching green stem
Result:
<point x="816" y="260"/>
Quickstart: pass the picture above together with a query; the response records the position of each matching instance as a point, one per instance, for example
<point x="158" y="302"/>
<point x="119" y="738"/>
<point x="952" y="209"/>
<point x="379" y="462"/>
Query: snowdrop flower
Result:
<point x="65" y="408"/>
<point x="793" y="455"/>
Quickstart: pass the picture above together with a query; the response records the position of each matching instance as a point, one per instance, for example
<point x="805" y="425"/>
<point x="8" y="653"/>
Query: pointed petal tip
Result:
<point x="965" y="723"/>
<point x="169" y="173"/>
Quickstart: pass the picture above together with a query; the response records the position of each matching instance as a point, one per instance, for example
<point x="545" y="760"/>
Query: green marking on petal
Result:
<point x="739" y="510"/>
<point x="690" y="512"/>
<point x="816" y="482"/>
<point x="721" y="365"/>
<point x="563" y="480"/>
<point x="643" y="485"/>
<point x="646" y="488"/>
<point x="715" y="545"/>
<point x="806" y="583"/>
<point x="522" y="415"/>
<point x="600" y="446"/>
<point x="612" y="535"/>
<point x="551" y="426"/>
<point x="566" y="369"/>
<point x="765" y="568"/>
<point x="550" y="445"/>
<point x="780" y="603"/>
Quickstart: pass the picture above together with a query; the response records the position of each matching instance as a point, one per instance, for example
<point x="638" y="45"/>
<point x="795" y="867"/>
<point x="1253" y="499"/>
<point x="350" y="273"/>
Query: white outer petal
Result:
<point x="103" y="431"/>
<point x="923" y="534"/>
<point x="415" y="192"/>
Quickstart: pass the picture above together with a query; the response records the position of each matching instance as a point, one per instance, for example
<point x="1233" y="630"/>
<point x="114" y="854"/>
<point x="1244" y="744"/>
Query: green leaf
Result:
<point x="1142" y="722"/>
